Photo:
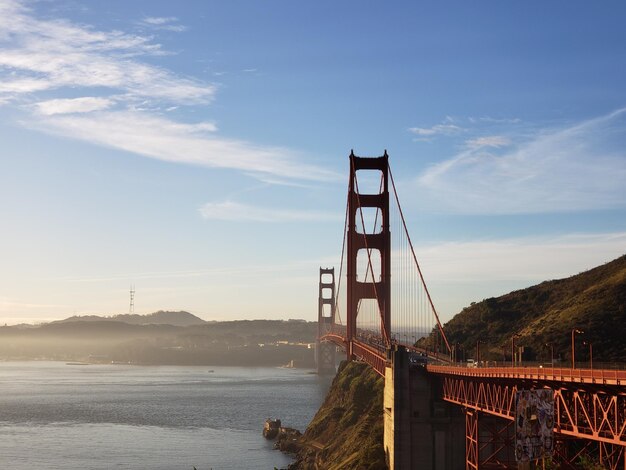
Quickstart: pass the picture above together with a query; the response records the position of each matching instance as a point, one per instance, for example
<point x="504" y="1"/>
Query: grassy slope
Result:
<point x="348" y="427"/>
<point x="594" y="301"/>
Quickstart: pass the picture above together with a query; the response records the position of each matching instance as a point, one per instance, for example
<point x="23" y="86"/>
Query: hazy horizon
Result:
<point x="115" y="315"/>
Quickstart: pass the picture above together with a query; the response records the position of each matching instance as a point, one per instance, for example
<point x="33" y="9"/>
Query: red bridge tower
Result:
<point x="359" y="239"/>
<point x="325" y="351"/>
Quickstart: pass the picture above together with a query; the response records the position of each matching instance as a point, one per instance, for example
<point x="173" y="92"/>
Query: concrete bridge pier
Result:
<point x="420" y="430"/>
<point x="325" y="357"/>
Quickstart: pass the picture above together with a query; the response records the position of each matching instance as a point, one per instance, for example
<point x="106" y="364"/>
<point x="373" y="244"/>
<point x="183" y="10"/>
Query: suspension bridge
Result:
<point x="439" y="414"/>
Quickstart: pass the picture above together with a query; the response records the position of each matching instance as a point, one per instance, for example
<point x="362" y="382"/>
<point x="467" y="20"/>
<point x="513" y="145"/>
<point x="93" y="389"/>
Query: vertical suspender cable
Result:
<point x="417" y="264"/>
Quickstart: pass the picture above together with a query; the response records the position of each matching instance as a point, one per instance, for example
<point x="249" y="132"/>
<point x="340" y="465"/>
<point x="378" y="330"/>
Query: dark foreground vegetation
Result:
<point x="543" y="317"/>
<point x="165" y="338"/>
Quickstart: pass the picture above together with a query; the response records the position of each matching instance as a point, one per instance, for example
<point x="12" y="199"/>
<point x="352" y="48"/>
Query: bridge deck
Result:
<point x="586" y="376"/>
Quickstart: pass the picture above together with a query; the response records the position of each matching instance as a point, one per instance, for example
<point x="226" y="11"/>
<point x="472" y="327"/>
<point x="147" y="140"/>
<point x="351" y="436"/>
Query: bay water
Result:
<point x="59" y="416"/>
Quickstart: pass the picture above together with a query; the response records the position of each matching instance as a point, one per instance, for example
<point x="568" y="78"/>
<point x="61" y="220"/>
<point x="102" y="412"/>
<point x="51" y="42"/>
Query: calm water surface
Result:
<point x="58" y="416"/>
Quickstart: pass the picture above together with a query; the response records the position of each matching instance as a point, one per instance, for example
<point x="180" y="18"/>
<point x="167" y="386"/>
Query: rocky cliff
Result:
<point x="347" y="431"/>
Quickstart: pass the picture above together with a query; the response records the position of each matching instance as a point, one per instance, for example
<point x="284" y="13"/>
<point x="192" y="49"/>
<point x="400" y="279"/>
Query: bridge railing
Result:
<point x="553" y="374"/>
<point x="372" y="355"/>
<point x="339" y="330"/>
<point x="545" y="365"/>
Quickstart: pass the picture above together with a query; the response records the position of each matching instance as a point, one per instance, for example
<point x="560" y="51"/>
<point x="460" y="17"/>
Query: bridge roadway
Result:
<point x="537" y="374"/>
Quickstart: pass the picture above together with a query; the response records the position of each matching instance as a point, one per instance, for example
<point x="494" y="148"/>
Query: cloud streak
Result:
<point x="438" y="129"/>
<point x="580" y="167"/>
<point x="163" y="139"/>
<point x="495" y="141"/>
<point x="85" y="104"/>
<point x="168" y="23"/>
<point x="237" y="212"/>
<point x="122" y="96"/>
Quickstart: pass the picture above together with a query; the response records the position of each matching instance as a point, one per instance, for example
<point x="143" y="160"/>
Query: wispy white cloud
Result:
<point x="234" y="211"/>
<point x="85" y="104"/>
<point x="38" y="55"/>
<point x="438" y="129"/>
<point x="274" y="180"/>
<point x="161" y="138"/>
<point x="488" y="141"/>
<point x="492" y="120"/>
<point x="157" y="21"/>
<point x="123" y="98"/>
<point x="167" y="23"/>
<point x="580" y="167"/>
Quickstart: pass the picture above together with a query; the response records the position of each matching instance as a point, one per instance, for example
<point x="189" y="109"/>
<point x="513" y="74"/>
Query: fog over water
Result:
<point x="59" y="416"/>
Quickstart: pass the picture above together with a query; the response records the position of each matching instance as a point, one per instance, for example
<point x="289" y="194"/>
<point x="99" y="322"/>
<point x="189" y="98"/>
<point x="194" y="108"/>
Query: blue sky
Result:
<point x="198" y="150"/>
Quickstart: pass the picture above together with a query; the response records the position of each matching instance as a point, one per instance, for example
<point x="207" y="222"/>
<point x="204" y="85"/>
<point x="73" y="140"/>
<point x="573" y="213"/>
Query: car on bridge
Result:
<point x="418" y="359"/>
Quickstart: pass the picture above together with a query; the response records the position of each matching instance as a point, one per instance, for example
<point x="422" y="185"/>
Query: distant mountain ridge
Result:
<point x="544" y="315"/>
<point x="180" y="318"/>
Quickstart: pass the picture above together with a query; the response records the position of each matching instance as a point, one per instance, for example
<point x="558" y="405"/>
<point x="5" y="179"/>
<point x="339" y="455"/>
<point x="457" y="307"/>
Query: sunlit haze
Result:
<point x="199" y="150"/>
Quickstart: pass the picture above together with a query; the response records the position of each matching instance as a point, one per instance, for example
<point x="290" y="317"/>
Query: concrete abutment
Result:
<point x="420" y="430"/>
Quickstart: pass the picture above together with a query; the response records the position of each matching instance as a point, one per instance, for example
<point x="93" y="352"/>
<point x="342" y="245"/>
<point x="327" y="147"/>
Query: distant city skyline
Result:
<point x="199" y="150"/>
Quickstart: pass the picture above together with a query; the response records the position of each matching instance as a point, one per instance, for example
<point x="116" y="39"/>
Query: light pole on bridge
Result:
<point x="574" y="331"/>
<point x="478" y="351"/>
<point x="513" y="349"/>
<point x="590" y="353"/>
<point x="551" y="346"/>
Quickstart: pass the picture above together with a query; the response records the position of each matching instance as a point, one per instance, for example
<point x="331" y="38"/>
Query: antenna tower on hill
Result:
<point x="131" y="310"/>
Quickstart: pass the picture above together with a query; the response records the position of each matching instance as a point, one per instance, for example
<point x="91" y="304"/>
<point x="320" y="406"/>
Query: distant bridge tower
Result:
<point x="325" y="350"/>
<point x="368" y="244"/>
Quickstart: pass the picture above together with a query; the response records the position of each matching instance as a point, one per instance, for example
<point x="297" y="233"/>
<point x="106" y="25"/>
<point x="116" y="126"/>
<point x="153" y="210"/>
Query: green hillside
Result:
<point x="593" y="301"/>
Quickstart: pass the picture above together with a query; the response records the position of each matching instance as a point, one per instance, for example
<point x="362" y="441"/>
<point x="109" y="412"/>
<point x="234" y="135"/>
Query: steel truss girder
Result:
<point x="498" y="450"/>
<point x="568" y="455"/>
<point x="612" y="456"/>
<point x="593" y="412"/>
<point x="471" y="439"/>
<point x="495" y="398"/>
